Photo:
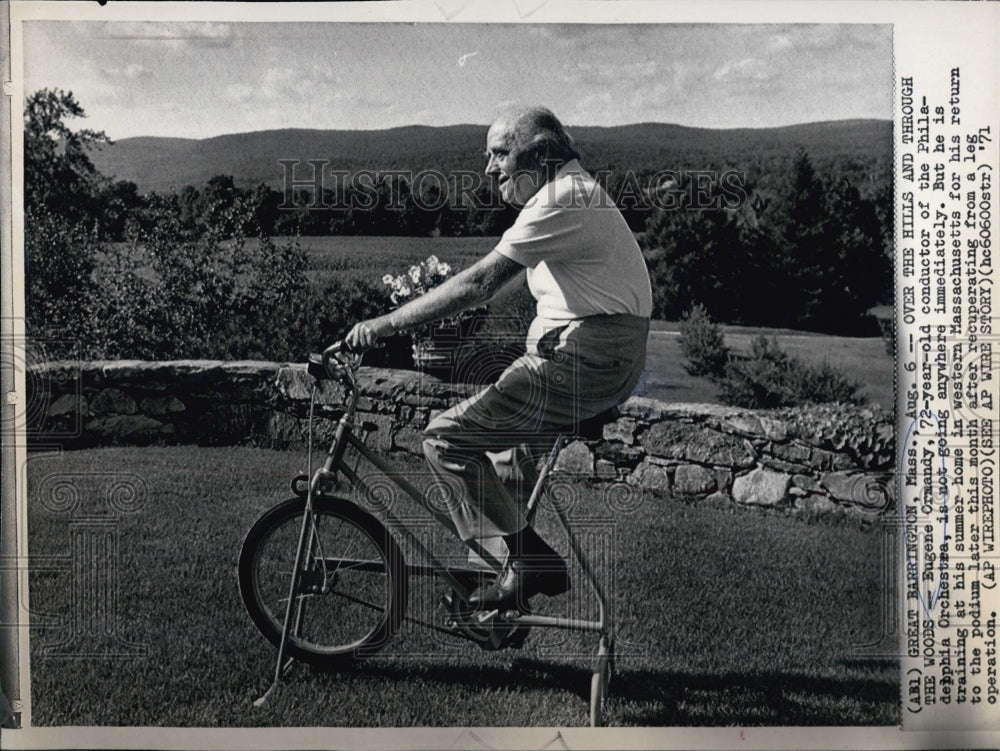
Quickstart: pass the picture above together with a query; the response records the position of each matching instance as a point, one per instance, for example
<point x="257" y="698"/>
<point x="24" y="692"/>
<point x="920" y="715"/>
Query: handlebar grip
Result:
<point x="317" y="368"/>
<point x="337" y="361"/>
<point x="328" y="355"/>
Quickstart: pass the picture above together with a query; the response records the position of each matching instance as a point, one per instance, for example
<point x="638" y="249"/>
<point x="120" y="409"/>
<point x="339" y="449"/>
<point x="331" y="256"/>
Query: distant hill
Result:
<point x="168" y="164"/>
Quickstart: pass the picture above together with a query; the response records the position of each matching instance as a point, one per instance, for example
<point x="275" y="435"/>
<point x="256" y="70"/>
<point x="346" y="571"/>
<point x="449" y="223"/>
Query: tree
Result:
<point x="62" y="213"/>
<point x="696" y="257"/>
<point x="59" y="263"/>
<point x="218" y="198"/>
<point x="832" y="244"/>
<point x="58" y="173"/>
<point x="189" y="207"/>
<point x="118" y="202"/>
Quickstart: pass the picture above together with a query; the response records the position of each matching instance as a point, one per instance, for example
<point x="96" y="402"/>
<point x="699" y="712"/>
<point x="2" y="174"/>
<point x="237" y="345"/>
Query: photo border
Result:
<point x="911" y="21"/>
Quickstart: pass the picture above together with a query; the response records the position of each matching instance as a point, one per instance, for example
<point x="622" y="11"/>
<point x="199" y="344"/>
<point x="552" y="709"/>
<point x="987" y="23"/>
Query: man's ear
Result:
<point x="543" y="153"/>
<point x="531" y="158"/>
<point x="538" y="158"/>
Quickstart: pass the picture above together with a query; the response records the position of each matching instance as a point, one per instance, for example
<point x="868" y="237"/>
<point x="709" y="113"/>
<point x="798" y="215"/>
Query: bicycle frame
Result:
<point x="335" y="465"/>
<point x="445" y="572"/>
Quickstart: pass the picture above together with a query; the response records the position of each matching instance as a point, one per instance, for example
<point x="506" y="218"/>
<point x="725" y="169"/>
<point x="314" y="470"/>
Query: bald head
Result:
<point x="525" y="146"/>
<point x="538" y="132"/>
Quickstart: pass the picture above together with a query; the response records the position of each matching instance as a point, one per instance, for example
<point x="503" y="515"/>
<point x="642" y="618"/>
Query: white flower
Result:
<point x="417" y="281"/>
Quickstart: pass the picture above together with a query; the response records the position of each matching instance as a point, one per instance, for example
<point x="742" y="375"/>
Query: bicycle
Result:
<point x="325" y="580"/>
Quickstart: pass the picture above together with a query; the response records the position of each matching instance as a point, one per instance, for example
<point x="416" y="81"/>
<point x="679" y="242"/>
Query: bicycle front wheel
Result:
<point x="350" y="590"/>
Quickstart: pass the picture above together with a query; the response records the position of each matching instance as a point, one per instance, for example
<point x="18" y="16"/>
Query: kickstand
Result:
<point x="274" y="684"/>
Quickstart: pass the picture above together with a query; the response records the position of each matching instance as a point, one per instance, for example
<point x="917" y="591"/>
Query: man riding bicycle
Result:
<point x="585" y="349"/>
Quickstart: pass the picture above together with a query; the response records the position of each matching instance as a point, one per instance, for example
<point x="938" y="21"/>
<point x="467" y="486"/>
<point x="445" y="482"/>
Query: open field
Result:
<point x="862" y="359"/>
<point x="725" y="616"/>
<point x="371" y="257"/>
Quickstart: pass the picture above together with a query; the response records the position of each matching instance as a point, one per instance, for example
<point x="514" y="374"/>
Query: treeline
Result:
<point x="462" y="203"/>
<point x="815" y="254"/>
<point x="783" y="242"/>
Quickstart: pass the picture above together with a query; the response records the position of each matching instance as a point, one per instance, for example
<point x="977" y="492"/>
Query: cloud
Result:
<point x="130" y="72"/>
<point x="175" y="36"/>
<point x="827" y="37"/>
<point x="749" y="69"/>
<point x="239" y="92"/>
<point x="618" y="73"/>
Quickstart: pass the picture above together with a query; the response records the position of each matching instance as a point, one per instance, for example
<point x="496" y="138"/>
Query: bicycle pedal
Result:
<point x="485" y="616"/>
<point x="452" y="603"/>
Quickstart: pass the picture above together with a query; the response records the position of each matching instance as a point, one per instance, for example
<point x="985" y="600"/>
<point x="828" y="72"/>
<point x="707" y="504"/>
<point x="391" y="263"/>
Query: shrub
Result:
<point x="703" y="345"/>
<point x="337" y="303"/>
<point x="162" y="296"/>
<point x="769" y="377"/>
<point x="824" y="383"/>
<point x="60" y="255"/>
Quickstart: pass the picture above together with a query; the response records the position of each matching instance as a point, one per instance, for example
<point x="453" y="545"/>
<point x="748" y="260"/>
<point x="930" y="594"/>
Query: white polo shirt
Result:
<point x="581" y="256"/>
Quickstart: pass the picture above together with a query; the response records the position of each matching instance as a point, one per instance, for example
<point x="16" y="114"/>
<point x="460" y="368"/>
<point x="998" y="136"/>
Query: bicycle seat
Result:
<point x="592" y="427"/>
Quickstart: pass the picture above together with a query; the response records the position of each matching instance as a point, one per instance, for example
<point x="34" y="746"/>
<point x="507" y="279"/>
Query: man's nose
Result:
<point x="492" y="168"/>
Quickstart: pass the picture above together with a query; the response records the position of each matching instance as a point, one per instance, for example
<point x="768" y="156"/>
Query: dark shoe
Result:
<point x="521" y="580"/>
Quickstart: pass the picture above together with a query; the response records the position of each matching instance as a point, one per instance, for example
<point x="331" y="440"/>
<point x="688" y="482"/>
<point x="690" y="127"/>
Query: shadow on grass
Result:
<point x="518" y="672"/>
<point x="663" y="698"/>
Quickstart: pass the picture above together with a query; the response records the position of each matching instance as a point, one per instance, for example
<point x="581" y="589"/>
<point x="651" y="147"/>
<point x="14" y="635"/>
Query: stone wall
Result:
<point x="819" y="459"/>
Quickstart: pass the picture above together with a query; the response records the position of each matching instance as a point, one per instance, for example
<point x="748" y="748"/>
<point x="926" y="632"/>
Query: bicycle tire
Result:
<point x="348" y="607"/>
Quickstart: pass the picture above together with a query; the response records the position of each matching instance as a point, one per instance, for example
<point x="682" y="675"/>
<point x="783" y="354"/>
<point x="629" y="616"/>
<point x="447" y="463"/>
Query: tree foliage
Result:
<point x="61" y="189"/>
<point x="216" y="289"/>
<point x="812" y="256"/>
<point x="702" y="344"/>
<point x="220" y="294"/>
<point x="764" y="377"/>
<point x="58" y="174"/>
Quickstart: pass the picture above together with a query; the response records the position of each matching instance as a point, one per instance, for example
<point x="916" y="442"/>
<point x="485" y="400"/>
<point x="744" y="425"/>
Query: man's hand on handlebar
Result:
<point x="365" y="334"/>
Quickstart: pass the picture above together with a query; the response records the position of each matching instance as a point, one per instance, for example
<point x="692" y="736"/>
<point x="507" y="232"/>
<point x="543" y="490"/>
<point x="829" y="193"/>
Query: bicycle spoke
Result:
<point x="356" y="601"/>
<point x="345" y="592"/>
<point x="376" y="566"/>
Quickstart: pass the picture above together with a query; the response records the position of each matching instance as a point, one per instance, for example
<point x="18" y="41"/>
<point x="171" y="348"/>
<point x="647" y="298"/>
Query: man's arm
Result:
<point x="467" y="289"/>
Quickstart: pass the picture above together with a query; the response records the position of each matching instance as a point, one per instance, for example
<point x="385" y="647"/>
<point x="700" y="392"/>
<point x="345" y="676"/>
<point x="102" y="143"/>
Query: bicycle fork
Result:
<point x="303" y="561"/>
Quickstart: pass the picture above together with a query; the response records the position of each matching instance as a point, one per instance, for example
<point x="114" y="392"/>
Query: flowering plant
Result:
<point x="419" y="280"/>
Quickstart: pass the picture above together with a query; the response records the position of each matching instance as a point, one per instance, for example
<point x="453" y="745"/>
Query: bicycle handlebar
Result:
<point x="335" y="362"/>
<point x="328" y="354"/>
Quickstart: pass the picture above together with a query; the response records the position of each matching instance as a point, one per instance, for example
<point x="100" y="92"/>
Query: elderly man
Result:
<point x="585" y="348"/>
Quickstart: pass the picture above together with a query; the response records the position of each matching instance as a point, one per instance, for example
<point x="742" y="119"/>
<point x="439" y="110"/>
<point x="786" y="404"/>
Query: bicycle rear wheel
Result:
<point x="351" y="587"/>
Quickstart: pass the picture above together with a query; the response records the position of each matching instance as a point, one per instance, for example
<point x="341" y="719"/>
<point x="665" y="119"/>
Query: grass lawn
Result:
<point x="862" y="359"/>
<point x="725" y="616"/>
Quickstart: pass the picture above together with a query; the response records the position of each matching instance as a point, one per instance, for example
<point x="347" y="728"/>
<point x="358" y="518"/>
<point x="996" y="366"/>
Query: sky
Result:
<point x="197" y="80"/>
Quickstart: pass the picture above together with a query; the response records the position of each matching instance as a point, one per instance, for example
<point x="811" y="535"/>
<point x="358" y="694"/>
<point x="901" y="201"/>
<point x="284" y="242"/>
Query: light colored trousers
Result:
<point x="484" y="451"/>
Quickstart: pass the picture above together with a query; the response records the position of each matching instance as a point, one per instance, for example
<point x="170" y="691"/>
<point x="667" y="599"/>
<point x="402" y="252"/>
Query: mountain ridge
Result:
<point x="165" y="164"/>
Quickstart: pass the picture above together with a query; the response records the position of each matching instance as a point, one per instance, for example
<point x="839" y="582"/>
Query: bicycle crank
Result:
<point x="490" y="629"/>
